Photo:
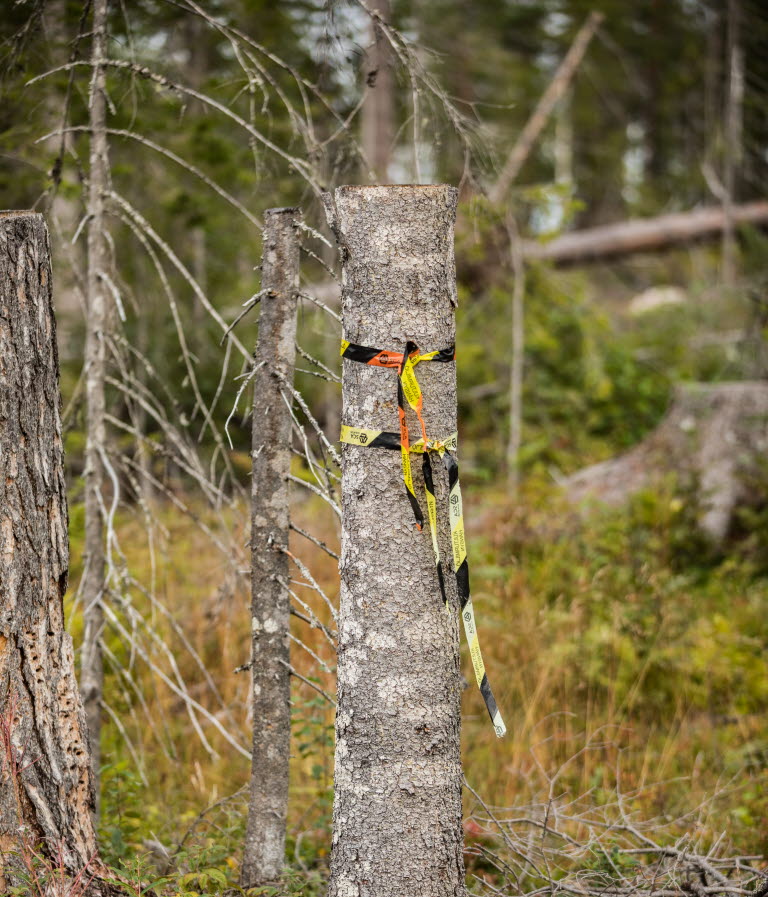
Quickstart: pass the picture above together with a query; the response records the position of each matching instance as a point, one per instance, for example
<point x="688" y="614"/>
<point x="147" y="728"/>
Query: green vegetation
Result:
<point x="627" y="653"/>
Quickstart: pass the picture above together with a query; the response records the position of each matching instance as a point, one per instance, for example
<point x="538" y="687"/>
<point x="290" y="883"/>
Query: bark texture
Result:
<point x="264" y="855"/>
<point x="397" y="808"/>
<point x="92" y="665"/>
<point x="715" y="433"/>
<point x="45" y="779"/>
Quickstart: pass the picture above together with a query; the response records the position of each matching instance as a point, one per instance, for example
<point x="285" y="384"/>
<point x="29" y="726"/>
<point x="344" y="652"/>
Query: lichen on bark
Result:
<point x="397" y="808"/>
<point x="264" y="852"/>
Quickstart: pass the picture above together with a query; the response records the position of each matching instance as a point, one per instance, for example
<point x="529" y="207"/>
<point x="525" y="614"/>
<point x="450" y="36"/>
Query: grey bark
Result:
<point x="264" y="854"/>
<point x="93" y="584"/>
<point x="378" y="113"/>
<point x="45" y="777"/>
<point x="397" y="806"/>
<point x="715" y="433"/>
<point x="643" y="234"/>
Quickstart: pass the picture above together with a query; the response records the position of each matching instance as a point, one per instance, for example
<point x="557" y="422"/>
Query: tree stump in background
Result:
<point x="713" y="433"/>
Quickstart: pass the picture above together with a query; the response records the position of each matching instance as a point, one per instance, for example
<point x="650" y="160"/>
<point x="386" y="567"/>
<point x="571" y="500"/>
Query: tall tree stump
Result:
<point x="264" y="854"/>
<point x="715" y="434"/>
<point x="397" y="807"/>
<point x="45" y="778"/>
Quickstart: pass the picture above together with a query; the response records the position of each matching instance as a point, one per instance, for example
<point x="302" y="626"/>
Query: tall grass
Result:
<point x="625" y="658"/>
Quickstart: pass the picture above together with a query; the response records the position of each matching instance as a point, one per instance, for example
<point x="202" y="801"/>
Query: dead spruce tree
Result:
<point x="93" y="585"/>
<point x="397" y="810"/>
<point x="46" y="791"/>
<point x="264" y="854"/>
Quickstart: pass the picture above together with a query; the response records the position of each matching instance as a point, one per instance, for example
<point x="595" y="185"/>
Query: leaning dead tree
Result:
<point x="264" y="854"/>
<point x="397" y="808"/>
<point x="46" y="786"/>
<point x="94" y="583"/>
<point x="549" y="99"/>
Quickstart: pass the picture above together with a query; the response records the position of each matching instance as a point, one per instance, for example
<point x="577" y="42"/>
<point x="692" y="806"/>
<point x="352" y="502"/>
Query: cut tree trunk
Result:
<point x="643" y="234"/>
<point x="45" y="778"/>
<point x="714" y="435"/>
<point x="93" y="584"/>
<point x="264" y="855"/>
<point x="397" y="806"/>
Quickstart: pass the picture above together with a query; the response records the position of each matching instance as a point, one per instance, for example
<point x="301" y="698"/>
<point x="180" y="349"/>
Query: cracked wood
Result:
<point x="45" y="784"/>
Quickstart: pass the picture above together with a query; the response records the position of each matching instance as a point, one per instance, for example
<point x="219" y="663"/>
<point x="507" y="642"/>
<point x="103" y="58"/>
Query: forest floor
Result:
<point x="629" y="663"/>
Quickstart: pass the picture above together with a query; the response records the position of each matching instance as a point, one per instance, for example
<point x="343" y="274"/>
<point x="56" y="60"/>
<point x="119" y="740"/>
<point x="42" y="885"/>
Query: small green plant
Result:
<point x="610" y="867"/>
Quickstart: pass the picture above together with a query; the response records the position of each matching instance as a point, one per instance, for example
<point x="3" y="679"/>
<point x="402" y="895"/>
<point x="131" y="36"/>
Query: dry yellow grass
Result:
<point x="566" y="736"/>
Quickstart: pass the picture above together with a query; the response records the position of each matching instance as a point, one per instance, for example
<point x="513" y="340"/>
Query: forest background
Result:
<point x="627" y="649"/>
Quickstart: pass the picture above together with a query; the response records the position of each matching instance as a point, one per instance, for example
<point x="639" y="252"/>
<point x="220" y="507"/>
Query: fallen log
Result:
<point x="714" y="435"/>
<point x="642" y="235"/>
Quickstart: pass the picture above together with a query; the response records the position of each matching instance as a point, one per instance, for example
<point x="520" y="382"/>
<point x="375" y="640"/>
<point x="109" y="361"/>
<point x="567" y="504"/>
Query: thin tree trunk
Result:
<point x="518" y="357"/>
<point x="264" y="855"/>
<point x="378" y="113"/>
<point x="45" y="783"/>
<point x="733" y="125"/>
<point x="144" y="458"/>
<point x="549" y="99"/>
<point x="564" y="142"/>
<point x="192" y="41"/>
<point x="397" y="808"/>
<point x="93" y="587"/>
<point x="200" y="273"/>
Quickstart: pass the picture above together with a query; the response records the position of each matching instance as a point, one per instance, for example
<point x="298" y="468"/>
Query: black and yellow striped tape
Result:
<point x="408" y="390"/>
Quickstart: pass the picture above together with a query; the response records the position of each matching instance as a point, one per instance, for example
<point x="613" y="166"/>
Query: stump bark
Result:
<point x="45" y="779"/>
<point x="397" y="804"/>
<point x="714" y="433"/>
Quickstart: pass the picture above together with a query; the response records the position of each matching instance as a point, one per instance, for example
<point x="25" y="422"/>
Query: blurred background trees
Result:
<point x="630" y="618"/>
